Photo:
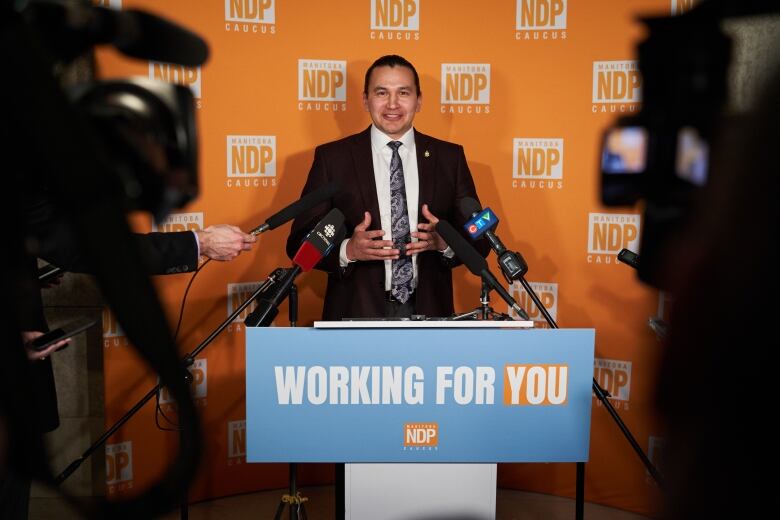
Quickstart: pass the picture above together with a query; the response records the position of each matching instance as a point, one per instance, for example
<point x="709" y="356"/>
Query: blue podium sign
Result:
<point x="418" y="395"/>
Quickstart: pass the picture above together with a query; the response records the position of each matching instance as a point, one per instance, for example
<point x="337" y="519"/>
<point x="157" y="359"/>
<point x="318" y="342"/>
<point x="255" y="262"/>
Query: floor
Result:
<point x="510" y="505"/>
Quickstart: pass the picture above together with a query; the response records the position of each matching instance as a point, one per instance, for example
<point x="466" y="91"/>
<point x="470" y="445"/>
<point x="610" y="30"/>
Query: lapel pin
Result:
<point x="427" y="153"/>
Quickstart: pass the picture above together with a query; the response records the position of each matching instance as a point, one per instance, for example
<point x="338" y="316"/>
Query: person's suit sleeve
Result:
<point x="464" y="187"/>
<point x="305" y="222"/>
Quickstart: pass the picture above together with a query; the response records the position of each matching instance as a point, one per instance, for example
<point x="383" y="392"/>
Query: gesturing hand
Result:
<point x="427" y="238"/>
<point x="364" y="246"/>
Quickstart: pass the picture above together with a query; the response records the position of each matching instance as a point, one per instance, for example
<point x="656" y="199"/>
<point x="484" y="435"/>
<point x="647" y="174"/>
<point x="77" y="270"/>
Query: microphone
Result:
<point x="71" y="28"/>
<point x="318" y="243"/>
<point x="512" y="264"/>
<point x="305" y="203"/>
<point x="475" y="263"/>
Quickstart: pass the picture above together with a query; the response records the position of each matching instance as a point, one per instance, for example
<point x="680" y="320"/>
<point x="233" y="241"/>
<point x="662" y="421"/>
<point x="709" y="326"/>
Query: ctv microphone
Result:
<point x="475" y="263"/>
<point x="483" y="222"/>
<point x="305" y="203"/>
<point x="316" y="246"/>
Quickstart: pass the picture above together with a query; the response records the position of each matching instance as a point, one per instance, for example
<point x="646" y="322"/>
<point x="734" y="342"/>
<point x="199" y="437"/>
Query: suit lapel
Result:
<point x="364" y="173"/>
<point x="426" y="169"/>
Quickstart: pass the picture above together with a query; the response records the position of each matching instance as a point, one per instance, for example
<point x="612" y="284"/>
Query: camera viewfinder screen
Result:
<point x="625" y="150"/>
<point x="693" y="156"/>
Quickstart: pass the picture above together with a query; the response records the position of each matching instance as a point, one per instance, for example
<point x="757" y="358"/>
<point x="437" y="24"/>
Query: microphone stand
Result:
<point x="273" y="279"/>
<point x="262" y="316"/>
<point x="484" y="311"/>
<point x="514" y="267"/>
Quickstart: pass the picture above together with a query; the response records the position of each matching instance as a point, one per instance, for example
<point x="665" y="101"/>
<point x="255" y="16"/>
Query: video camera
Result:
<point x="662" y="155"/>
<point x="146" y="127"/>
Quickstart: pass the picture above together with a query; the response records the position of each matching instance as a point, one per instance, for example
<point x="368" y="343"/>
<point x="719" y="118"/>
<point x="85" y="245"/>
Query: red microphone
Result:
<point x="319" y="242"/>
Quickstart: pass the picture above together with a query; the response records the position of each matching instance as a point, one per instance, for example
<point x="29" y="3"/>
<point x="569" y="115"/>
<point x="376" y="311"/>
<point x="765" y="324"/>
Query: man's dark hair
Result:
<point x="392" y="60"/>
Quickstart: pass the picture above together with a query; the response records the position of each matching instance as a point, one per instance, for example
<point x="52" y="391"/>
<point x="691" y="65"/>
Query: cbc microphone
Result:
<point x="316" y="246"/>
<point x="305" y="203"/>
<point x="512" y="264"/>
<point x="475" y="263"/>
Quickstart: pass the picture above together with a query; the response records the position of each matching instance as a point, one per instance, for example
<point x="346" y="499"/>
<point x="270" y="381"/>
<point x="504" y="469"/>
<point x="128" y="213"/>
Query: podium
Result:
<point x="461" y="398"/>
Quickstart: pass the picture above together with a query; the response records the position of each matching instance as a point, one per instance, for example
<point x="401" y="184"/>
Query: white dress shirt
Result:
<point x="382" y="154"/>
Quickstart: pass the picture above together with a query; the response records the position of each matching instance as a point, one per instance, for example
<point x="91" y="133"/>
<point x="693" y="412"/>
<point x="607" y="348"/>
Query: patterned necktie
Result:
<point x="401" y="285"/>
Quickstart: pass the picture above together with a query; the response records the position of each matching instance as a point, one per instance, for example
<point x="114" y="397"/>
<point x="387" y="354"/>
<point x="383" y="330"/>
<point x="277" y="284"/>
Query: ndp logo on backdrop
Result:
<point x="238" y="293"/>
<point x="119" y="467"/>
<point x="251" y="161"/>
<point x="113" y="335"/>
<point x="608" y="233"/>
<point x="537" y="163"/>
<point x="199" y="385"/>
<point x="465" y="88"/>
<point x="109" y="4"/>
<point x="617" y="86"/>
<point x="250" y="16"/>
<point x="682" y="6"/>
<point x="614" y="376"/>
<point x="190" y="77"/>
<point x="180" y="222"/>
<point x="236" y="442"/>
<point x="322" y="85"/>
<point x="655" y="452"/>
<point x="395" y="19"/>
<point x="540" y="20"/>
<point x="547" y="292"/>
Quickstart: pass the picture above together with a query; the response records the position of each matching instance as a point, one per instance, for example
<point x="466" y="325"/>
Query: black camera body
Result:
<point x="661" y="155"/>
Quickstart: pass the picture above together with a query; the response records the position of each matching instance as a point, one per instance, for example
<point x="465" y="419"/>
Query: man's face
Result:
<point x="392" y="100"/>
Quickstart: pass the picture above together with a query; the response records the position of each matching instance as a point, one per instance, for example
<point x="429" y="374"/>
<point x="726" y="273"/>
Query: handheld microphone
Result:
<point x="512" y="264"/>
<point x="475" y="263"/>
<point x="316" y="246"/>
<point x="305" y="203"/>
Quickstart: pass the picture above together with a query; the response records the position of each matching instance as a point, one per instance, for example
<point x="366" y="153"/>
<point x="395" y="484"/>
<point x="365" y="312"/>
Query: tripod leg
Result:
<point x="279" y="510"/>
<point x="579" y="505"/>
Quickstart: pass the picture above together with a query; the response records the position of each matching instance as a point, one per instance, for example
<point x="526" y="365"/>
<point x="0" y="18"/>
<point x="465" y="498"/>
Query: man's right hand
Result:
<point x="363" y="246"/>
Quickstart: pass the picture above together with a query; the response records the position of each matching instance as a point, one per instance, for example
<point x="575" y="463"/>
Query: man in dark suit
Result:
<point x="396" y="185"/>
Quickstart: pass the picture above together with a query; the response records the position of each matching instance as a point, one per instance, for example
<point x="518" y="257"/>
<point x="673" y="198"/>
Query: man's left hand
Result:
<point x="427" y="237"/>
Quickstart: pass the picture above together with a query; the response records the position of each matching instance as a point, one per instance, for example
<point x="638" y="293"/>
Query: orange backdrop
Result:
<point x="527" y="86"/>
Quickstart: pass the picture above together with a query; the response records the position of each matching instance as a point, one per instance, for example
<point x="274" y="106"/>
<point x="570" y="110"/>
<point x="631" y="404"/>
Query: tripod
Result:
<point x="279" y="277"/>
<point x="514" y="267"/>
<point x="484" y="311"/>
<point x="259" y="318"/>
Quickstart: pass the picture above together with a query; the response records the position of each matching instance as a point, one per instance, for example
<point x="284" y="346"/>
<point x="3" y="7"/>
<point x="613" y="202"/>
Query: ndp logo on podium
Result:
<point x="617" y="86"/>
<point x="421" y="436"/>
<point x="180" y="222"/>
<point x="608" y="233"/>
<point x="322" y="85"/>
<point x="119" y="466"/>
<point x="465" y="88"/>
<point x="180" y="75"/>
<point x="537" y="163"/>
<point x="255" y="16"/>
<point x="395" y="19"/>
<point x="540" y="19"/>
<point x="251" y="161"/>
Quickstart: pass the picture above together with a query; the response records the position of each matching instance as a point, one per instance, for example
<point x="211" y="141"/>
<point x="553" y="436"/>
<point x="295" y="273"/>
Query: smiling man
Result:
<point x="396" y="185"/>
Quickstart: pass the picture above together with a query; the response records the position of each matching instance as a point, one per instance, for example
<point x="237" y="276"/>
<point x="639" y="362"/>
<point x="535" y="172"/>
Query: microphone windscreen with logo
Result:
<point x="469" y="207"/>
<point x="465" y="251"/>
<point x="321" y="240"/>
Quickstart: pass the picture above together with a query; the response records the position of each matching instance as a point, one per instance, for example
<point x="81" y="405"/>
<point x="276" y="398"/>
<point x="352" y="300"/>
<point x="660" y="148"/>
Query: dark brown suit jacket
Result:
<point x="357" y="291"/>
